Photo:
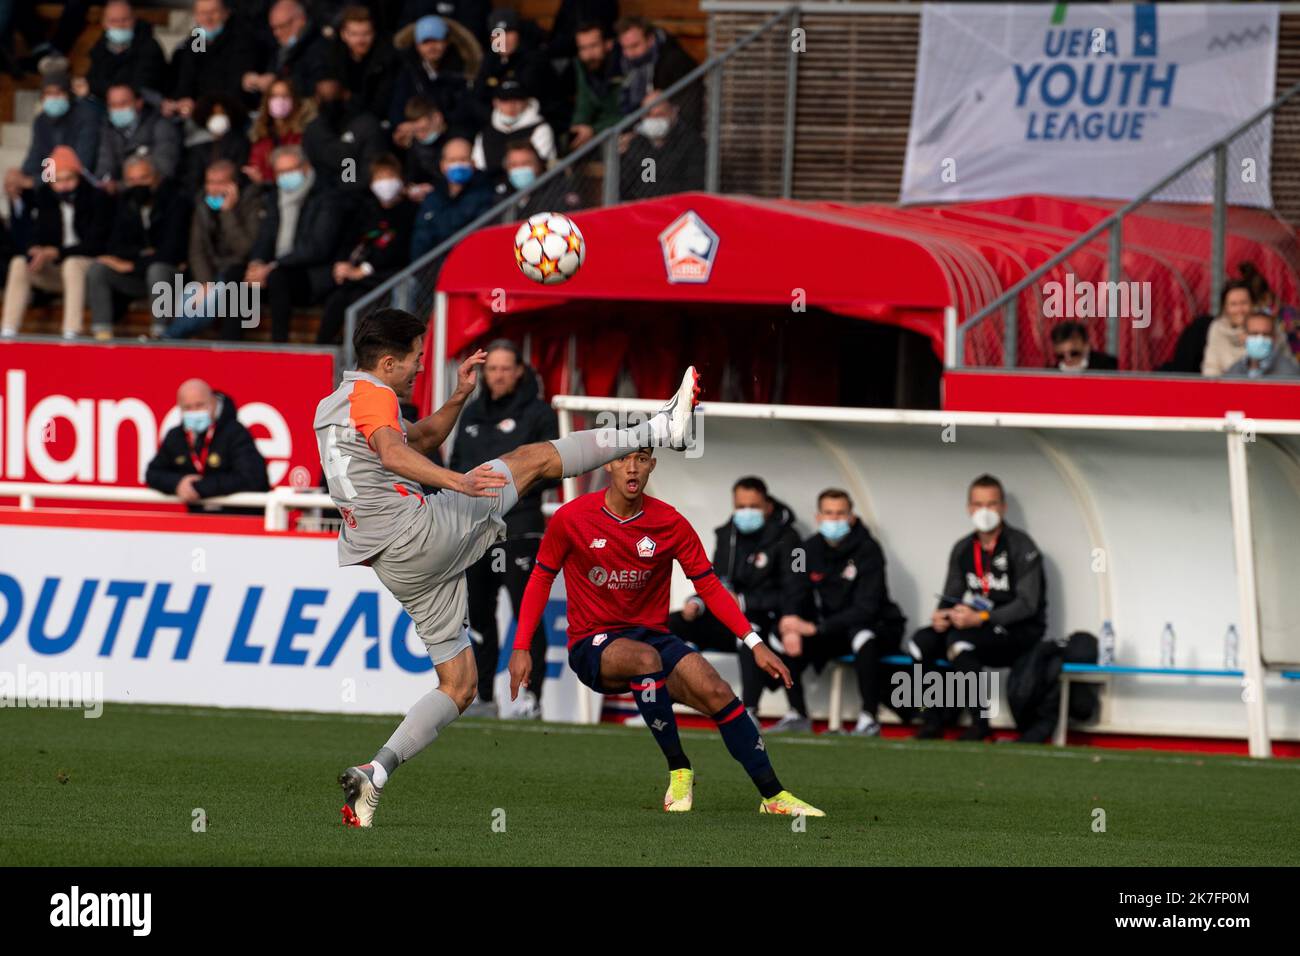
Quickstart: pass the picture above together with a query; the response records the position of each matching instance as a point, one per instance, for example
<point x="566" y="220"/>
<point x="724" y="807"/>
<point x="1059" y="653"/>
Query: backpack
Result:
<point x="1034" y="687"/>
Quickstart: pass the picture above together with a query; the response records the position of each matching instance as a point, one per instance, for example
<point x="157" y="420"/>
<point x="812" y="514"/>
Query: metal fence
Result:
<point x="1186" y="248"/>
<point x="621" y="163"/>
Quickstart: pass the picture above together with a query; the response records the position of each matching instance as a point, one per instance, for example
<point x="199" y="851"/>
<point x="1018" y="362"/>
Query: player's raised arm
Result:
<point x="551" y="555"/>
<point x="431" y="431"/>
<point x="398" y="457"/>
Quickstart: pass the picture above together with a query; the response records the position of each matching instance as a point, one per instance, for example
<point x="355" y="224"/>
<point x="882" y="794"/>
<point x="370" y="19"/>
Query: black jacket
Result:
<point x="220" y="68"/>
<point x="92" y="219"/>
<point x="678" y="164"/>
<point x="370" y="80"/>
<point x="233" y="463"/>
<point x="352" y="134"/>
<point x="488" y="429"/>
<point x="165" y="239"/>
<point x="141" y="65"/>
<point x="1014" y="573"/>
<point x="383" y="238"/>
<point x="316" y="239"/>
<point x="843" y="589"/>
<point x="447" y="89"/>
<point x="754" y="566"/>
<point x="302" y="63"/>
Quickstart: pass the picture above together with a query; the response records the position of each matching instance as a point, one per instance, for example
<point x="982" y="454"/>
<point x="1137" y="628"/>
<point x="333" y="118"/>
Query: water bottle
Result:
<point x="1230" y="648"/>
<point x="1106" y="645"/>
<point x="1167" y="646"/>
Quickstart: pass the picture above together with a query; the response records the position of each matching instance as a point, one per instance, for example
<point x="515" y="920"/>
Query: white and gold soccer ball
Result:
<point x="549" y="248"/>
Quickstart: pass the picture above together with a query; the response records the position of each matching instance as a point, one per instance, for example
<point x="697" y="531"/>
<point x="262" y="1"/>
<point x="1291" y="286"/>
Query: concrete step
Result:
<point x="26" y="103"/>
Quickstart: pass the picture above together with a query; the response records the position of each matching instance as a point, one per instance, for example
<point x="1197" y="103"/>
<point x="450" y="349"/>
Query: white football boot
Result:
<point x="680" y="410"/>
<point x="360" y="796"/>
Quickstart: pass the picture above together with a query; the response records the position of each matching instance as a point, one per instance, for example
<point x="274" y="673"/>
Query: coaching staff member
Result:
<point x="505" y="414"/>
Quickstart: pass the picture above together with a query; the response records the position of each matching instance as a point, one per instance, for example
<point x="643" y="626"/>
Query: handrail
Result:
<point x="585" y="150"/>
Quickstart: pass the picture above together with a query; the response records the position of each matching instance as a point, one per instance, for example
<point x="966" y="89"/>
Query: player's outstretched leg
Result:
<point x="363" y="785"/>
<point x="695" y="683"/>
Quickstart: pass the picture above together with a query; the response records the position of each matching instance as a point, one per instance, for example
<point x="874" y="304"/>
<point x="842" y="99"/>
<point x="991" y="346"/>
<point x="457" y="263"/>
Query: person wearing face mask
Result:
<point x="523" y="167"/>
<point x="66" y="224"/>
<point x="661" y="145"/>
<point x="133" y="127"/>
<point x="515" y="115"/>
<point x="147" y="244"/>
<point x="211" y="60"/>
<point x="427" y="128"/>
<point x="514" y="52"/>
<point x="837" y="604"/>
<point x="63" y="120"/>
<point x="652" y="59"/>
<point x="381" y="239"/>
<point x="993" y="607"/>
<point x="1072" y="354"/>
<point x="296" y="54"/>
<point x="1225" y="342"/>
<point x="1266" y="354"/>
<point x="222" y="134"/>
<point x="209" y="454"/>
<point x="458" y="198"/>
<point x="126" y="54"/>
<point x="751" y="555"/>
<point x="281" y="121"/>
<point x="342" y="136"/>
<point x="297" y="244"/>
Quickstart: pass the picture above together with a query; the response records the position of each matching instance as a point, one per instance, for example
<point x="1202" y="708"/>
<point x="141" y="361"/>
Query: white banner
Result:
<point x="1095" y="100"/>
<point x="230" y="620"/>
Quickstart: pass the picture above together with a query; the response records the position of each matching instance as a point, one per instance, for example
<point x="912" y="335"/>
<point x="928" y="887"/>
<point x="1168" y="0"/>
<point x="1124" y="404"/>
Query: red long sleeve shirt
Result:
<point x="618" y="571"/>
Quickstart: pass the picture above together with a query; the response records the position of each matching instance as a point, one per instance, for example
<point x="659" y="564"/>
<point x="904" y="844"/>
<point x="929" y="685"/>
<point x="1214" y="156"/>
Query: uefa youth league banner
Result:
<point x="1084" y="99"/>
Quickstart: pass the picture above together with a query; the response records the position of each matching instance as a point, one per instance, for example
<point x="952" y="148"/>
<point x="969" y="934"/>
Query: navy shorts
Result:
<point x="584" y="657"/>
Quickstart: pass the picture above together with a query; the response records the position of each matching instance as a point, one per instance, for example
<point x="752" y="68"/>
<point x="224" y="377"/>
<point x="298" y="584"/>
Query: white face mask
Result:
<point x="218" y="124"/>
<point x="985" y="519"/>
<point x="386" y="190"/>
<point x="653" y="127"/>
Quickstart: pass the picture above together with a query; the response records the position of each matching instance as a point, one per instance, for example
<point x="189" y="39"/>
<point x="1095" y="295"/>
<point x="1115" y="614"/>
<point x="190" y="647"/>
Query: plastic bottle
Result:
<point x="1230" y="648"/>
<point x="1167" y="646"/>
<point x="1106" y="645"/>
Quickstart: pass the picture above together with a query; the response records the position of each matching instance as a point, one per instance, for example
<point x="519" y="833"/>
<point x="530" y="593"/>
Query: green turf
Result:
<point x="121" y="790"/>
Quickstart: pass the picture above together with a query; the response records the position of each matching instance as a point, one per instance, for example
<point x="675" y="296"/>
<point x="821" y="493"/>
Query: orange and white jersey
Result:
<point x="377" y="505"/>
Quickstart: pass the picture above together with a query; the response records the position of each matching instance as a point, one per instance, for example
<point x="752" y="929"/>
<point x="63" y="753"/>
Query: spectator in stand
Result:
<point x="146" y="246"/>
<point x="222" y="232"/>
<point x="296" y="57"/>
<point x="281" y="121"/>
<point x="134" y="128"/>
<point x="663" y="156"/>
<point x="1225" y="341"/>
<point x="596" y="106"/>
<point x="211" y="61"/>
<point x="223" y="125"/>
<point x="343" y="138"/>
<point x="1189" y="350"/>
<point x="514" y="53"/>
<point x="24" y="18"/>
<point x="838" y="605"/>
<point x="128" y="55"/>
<point x="471" y="14"/>
<point x="752" y="556"/>
<point x="523" y="167"/>
<point x="294" y="254"/>
<point x="576" y="16"/>
<point x="1070" y="347"/>
<point x="209" y="454"/>
<point x="515" y="115"/>
<point x="1267" y="355"/>
<point x="651" y="59"/>
<point x="427" y="132"/>
<point x="380" y="245"/>
<point x="64" y="120"/>
<point x="993" y="608"/>
<point x="506" y="413"/>
<point x="68" y="221"/>
<point x="461" y="196"/>
<point x="363" y="64"/>
<point x="431" y="68"/>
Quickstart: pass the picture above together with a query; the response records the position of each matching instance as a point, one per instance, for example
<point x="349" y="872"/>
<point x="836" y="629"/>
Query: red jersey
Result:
<point x="618" y="571"/>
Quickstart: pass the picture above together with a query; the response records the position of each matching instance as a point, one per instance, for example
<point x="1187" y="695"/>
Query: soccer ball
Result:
<point x="549" y="248"/>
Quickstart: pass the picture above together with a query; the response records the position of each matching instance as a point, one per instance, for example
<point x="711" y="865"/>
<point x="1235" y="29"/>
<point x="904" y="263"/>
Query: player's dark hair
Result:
<point x="586" y="26"/>
<point x="633" y="23"/>
<point x="834" y="493"/>
<point x="987" y="481"/>
<point x="498" y="344"/>
<point x="752" y="483"/>
<point x="386" y="332"/>
<point x="1064" y="331"/>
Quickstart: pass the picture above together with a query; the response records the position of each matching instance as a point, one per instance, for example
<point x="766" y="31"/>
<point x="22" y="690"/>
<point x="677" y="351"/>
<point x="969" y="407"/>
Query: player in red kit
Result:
<point x="616" y="548"/>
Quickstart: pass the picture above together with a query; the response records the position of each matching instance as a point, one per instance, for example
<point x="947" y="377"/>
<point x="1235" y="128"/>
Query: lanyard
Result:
<point x="201" y="460"/>
<point x="979" y="565"/>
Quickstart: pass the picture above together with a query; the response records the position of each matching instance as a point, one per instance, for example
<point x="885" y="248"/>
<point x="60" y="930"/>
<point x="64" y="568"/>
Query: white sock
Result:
<point x="378" y="775"/>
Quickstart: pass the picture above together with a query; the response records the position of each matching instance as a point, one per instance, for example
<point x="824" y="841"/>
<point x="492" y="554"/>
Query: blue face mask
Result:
<point x="291" y="180"/>
<point x="429" y="140"/>
<point x="120" y="36"/>
<point x="748" y="520"/>
<point x="521" y="177"/>
<point x="1259" y="347"/>
<point x="460" y="173"/>
<point x="55" y="106"/>
<point x="833" y="530"/>
<point x="122" y="118"/>
<point x="213" y="33"/>
<point x="215" y="202"/>
<point x="197" y="422"/>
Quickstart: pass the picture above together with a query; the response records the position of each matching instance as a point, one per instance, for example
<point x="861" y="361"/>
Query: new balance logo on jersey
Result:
<point x="597" y="543"/>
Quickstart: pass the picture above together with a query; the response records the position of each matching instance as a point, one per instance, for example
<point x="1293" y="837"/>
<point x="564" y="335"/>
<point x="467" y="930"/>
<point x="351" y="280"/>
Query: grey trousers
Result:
<point x="102" y="282"/>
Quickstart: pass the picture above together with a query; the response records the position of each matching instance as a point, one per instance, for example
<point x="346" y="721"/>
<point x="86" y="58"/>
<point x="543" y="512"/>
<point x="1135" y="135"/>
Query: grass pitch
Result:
<point x="123" y="790"/>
